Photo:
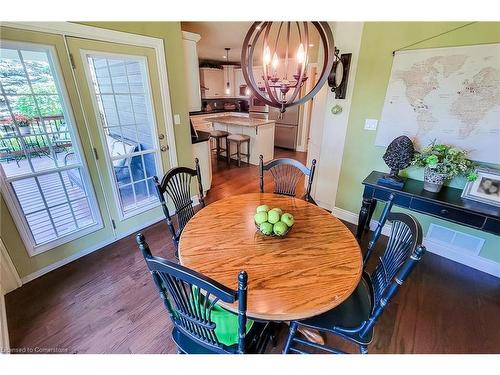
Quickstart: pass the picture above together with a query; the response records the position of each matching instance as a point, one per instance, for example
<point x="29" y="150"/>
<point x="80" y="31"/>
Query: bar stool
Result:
<point x="238" y="139"/>
<point x="218" y="135"/>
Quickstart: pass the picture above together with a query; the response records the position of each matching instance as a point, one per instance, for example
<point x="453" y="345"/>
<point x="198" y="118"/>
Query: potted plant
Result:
<point x="23" y="123"/>
<point x="442" y="163"/>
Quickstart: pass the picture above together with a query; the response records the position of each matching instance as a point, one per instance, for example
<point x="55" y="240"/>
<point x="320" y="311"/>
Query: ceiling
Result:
<point x="215" y="36"/>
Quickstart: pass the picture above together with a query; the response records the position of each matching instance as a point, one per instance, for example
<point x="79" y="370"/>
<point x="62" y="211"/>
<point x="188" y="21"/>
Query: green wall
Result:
<point x="171" y="34"/>
<point x="361" y="156"/>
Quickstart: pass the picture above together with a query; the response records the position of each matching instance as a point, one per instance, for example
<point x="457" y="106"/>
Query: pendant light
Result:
<point x="285" y="43"/>
<point x="228" y="86"/>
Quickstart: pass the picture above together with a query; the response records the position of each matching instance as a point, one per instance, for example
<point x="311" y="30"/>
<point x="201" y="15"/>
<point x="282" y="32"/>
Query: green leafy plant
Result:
<point x="446" y="160"/>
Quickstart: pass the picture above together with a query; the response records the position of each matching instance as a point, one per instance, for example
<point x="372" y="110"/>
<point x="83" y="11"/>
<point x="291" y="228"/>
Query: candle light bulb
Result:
<point x="275" y="61"/>
<point x="301" y="54"/>
<point x="267" y="55"/>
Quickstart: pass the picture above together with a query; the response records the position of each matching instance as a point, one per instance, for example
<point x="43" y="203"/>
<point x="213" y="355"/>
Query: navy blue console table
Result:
<point x="446" y="205"/>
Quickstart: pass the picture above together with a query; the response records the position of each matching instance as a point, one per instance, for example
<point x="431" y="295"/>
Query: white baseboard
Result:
<point x="353" y="219"/>
<point x="474" y="261"/>
<point x="84" y="252"/>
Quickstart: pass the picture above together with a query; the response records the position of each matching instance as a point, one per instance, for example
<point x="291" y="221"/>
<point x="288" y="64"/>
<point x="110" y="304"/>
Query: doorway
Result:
<point x="85" y="126"/>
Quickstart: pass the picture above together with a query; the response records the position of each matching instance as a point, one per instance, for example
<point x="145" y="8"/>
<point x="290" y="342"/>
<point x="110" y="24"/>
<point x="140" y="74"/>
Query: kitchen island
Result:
<point x="260" y="131"/>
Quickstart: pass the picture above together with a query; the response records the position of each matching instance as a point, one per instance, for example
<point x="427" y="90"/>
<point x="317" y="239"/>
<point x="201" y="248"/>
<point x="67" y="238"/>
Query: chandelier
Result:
<point x="283" y="48"/>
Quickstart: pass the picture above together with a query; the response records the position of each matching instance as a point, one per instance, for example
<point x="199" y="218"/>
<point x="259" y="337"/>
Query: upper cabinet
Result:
<point x="189" y="41"/>
<point x="212" y="83"/>
<point x="239" y="81"/>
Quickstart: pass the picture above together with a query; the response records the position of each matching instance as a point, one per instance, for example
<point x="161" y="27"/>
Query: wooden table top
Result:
<point x="311" y="270"/>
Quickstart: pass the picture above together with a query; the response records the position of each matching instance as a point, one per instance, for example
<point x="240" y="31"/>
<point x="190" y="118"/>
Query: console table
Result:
<point x="447" y="205"/>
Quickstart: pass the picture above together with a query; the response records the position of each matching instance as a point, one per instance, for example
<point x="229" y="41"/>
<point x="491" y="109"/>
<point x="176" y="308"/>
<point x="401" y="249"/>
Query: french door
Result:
<point x="120" y="93"/>
<point x="43" y="171"/>
<point x="82" y="135"/>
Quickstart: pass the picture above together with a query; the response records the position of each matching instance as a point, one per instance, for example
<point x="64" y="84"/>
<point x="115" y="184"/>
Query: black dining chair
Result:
<point x="286" y="174"/>
<point x="354" y="319"/>
<point x="201" y="326"/>
<point x="176" y="184"/>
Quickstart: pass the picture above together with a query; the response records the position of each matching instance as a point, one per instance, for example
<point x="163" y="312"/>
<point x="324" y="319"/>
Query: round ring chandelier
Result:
<point x="283" y="85"/>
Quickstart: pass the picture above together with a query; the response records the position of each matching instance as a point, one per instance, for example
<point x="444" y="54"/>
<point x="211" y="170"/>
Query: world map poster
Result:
<point x="451" y="95"/>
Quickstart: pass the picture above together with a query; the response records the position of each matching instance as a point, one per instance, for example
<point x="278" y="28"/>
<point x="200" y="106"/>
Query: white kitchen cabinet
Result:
<point x="239" y="80"/>
<point x="189" y="41"/>
<point x="212" y="81"/>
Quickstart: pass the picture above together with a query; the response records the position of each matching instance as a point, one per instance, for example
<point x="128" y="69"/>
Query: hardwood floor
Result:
<point x="106" y="302"/>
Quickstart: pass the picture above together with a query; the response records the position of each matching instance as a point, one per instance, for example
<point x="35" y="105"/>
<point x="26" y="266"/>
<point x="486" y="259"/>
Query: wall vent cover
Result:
<point x="454" y="240"/>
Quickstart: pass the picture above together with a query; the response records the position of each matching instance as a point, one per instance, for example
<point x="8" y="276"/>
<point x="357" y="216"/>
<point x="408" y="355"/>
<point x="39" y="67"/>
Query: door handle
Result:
<point x="163" y="148"/>
<point x="161" y="136"/>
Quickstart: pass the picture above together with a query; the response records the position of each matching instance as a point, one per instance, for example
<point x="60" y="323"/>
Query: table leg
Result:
<point x="363" y="216"/>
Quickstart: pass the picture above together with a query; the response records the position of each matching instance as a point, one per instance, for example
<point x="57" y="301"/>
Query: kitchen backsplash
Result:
<point x="241" y="104"/>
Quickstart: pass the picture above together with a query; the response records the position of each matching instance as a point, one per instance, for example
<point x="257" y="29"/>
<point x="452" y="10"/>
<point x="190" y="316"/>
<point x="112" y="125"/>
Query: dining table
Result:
<point x="312" y="269"/>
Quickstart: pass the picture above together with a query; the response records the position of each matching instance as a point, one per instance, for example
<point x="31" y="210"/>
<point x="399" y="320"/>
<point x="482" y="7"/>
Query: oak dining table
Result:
<point x="312" y="269"/>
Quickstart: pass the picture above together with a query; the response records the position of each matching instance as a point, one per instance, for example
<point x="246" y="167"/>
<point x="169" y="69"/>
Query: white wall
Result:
<point x="328" y="131"/>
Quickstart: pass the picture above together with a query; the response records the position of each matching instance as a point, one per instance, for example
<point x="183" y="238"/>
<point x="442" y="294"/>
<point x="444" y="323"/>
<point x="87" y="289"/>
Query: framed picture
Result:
<point x="485" y="189"/>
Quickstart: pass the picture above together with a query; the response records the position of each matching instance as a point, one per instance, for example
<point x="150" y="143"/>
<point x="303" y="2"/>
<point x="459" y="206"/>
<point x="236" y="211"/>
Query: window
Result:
<point x="122" y="93"/>
<point x="39" y="158"/>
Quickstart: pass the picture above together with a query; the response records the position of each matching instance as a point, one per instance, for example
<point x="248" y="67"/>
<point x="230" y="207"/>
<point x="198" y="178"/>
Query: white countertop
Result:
<point x="240" y="121"/>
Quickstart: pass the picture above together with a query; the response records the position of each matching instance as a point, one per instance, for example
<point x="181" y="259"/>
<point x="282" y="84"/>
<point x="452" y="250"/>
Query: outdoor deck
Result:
<point x="59" y="193"/>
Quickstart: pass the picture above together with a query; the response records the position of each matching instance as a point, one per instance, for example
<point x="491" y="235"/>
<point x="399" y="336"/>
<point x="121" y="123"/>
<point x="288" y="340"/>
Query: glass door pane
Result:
<point x="121" y="91"/>
<point x="39" y="159"/>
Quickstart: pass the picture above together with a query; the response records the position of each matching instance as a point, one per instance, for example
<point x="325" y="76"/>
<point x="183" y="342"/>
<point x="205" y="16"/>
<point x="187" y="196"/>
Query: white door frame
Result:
<point x="105" y="35"/>
<point x="330" y="131"/>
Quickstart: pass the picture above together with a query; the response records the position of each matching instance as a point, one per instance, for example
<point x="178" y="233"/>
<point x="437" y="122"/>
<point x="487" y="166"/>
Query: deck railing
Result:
<point x="52" y="128"/>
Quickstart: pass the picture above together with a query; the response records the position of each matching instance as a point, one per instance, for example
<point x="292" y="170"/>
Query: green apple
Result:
<point x="266" y="228"/>
<point x="280" y="228"/>
<point x="260" y="217"/>
<point x="279" y="210"/>
<point x="262" y="208"/>
<point x="287" y="219"/>
<point x="273" y="216"/>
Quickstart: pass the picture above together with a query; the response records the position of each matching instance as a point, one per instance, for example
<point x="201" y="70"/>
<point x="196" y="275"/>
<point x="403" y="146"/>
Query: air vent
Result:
<point x="454" y="240"/>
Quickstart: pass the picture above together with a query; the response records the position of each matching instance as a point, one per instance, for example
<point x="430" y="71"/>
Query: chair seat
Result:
<point x="218" y="133"/>
<point x="238" y="137"/>
<point x="347" y="316"/>
<point x="190" y="346"/>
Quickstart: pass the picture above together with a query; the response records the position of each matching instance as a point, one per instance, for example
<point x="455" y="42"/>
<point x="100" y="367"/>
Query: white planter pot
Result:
<point x="433" y="181"/>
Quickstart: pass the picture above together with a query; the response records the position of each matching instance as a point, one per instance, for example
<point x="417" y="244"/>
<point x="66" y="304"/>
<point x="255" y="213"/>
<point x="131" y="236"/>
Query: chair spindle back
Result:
<point x="286" y="175"/>
<point x="190" y="298"/>
<point x="404" y="249"/>
<point x="176" y="184"/>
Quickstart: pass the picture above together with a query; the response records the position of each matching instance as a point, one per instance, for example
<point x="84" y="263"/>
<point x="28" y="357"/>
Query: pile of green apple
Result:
<point x="273" y="221"/>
